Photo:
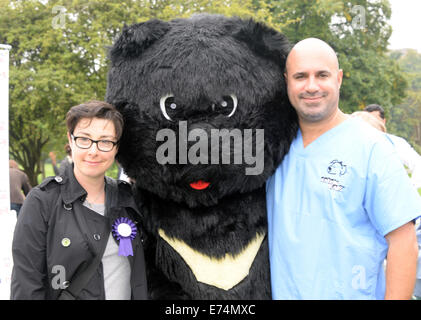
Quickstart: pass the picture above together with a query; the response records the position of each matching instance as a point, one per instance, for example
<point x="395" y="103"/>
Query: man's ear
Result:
<point x="340" y="76"/>
<point x="136" y="38"/>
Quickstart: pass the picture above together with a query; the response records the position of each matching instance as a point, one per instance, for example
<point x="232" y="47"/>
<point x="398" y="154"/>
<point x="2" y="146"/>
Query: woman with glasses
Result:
<point x="77" y="236"/>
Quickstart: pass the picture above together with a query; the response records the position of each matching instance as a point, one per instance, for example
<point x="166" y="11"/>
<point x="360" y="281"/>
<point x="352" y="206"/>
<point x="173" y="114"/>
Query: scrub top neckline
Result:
<point x="326" y="136"/>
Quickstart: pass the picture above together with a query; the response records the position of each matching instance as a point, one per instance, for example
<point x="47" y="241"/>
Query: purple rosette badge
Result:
<point x="124" y="230"/>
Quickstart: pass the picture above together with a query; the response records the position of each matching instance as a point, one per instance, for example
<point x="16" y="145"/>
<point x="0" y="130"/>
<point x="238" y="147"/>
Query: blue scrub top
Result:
<point x="329" y="207"/>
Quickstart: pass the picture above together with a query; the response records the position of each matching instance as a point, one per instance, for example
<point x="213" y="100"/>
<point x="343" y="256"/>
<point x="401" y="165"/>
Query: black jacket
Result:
<point x="49" y="247"/>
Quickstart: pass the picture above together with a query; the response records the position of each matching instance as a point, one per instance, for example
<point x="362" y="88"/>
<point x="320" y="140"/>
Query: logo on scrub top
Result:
<point x="336" y="168"/>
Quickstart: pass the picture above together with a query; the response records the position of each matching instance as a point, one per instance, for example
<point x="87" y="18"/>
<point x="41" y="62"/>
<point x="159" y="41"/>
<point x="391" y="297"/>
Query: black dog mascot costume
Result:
<point x="207" y="121"/>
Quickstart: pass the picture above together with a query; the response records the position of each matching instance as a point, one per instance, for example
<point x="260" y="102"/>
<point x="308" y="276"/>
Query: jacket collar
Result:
<point x="125" y="197"/>
<point x="72" y="191"/>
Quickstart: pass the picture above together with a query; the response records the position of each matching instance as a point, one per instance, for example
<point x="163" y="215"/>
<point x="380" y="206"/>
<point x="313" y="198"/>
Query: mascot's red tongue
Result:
<point x="199" y="185"/>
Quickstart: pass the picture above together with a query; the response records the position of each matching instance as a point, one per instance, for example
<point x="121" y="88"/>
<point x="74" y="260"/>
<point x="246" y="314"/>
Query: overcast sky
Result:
<point x="406" y="24"/>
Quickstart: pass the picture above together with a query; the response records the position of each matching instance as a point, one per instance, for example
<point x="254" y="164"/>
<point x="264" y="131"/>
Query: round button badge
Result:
<point x="65" y="242"/>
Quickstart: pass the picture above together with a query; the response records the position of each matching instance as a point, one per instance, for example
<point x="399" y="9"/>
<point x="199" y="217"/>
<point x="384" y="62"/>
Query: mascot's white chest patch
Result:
<point x="223" y="273"/>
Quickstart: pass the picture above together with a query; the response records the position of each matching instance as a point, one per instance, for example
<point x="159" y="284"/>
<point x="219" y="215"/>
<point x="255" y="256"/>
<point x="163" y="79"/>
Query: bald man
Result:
<point x="341" y="201"/>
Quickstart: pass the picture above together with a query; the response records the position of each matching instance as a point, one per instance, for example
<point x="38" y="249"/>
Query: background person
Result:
<point x="377" y="111"/>
<point x="417" y="289"/>
<point x="341" y="200"/>
<point x="76" y="236"/>
<point x="370" y="119"/>
<point x="409" y="157"/>
<point x="67" y="161"/>
<point x="377" y="123"/>
<point x="19" y="182"/>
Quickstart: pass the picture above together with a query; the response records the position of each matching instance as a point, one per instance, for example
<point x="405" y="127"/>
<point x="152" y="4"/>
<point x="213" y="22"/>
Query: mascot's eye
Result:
<point x="167" y="104"/>
<point x="228" y="105"/>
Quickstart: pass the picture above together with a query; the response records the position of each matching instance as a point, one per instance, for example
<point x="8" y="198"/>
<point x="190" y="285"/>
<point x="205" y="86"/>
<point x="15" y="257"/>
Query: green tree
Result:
<point x="37" y="94"/>
<point x="405" y="118"/>
<point x="359" y="31"/>
<point x="370" y="76"/>
<point x="58" y="59"/>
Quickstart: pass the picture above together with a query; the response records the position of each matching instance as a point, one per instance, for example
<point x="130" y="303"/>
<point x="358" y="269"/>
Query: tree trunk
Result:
<point x="27" y="152"/>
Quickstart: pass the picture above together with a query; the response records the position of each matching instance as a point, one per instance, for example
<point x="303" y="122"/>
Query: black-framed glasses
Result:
<point x="86" y="143"/>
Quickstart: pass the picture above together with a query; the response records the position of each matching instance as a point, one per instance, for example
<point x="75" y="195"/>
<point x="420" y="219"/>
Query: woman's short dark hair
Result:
<point x="95" y="109"/>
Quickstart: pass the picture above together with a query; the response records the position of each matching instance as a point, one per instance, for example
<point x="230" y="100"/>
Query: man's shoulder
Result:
<point x="363" y="133"/>
<point x="398" y="141"/>
<point x="361" y="127"/>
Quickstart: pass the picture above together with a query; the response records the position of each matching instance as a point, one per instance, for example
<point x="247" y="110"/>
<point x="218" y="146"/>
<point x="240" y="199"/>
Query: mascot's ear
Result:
<point x="136" y="38"/>
<point x="263" y="40"/>
<point x="121" y="106"/>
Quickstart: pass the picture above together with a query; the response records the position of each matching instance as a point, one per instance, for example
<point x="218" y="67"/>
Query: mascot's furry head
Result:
<point x="205" y="106"/>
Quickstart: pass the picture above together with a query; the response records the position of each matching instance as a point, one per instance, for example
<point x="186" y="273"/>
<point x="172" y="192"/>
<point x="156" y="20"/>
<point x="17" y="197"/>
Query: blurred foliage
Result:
<point x="59" y="55"/>
<point x="358" y="31"/>
<point x="405" y="118"/>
